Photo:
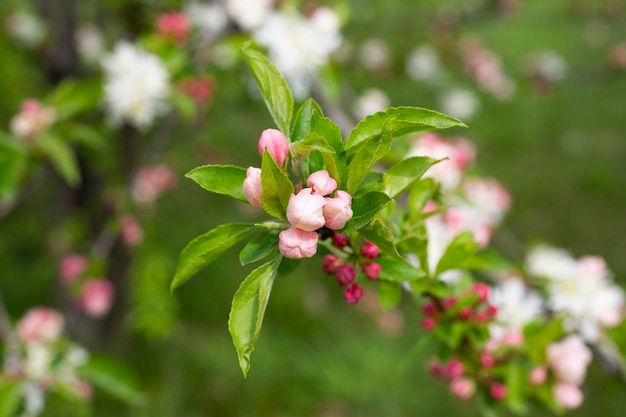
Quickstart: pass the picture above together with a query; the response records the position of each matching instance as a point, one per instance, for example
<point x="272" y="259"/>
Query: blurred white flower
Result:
<point x="249" y="14"/>
<point x="299" y="46"/>
<point x="550" y="65"/>
<point x="371" y="101"/>
<point x="209" y="18"/>
<point x="462" y="104"/>
<point x="136" y="85"/>
<point x="580" y="289"/>
<point x="26" y="28"/>
<point x="422" y="63"/>
<point x="34" y="398"/>
<point x="375" y="55"/>
<point x="89" y="41"/>
<point x="517" y="306"/>
<point x="32" y="119"/>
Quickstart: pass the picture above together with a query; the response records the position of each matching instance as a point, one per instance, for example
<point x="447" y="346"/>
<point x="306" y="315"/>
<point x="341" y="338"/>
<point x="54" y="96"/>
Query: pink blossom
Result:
<point x="330" y="264"/>
<point x="131" y="231"/>
<point x="498" y="391"/>
<point x="174" y="26"/>
<point x="305" y="210"/>
<point x="295" y="243"/>
<point x="462" y="388"/>
<point x="40" y="324"/>
<point x="200" y="89"/>
<point x="151" y="182"/>
<point x="276" y="144"/>
<point x="569" y="359"/>
<point x="512" y="338"/>
<point x="372" y="270"/>
<point x="82" y="389"/>
<point x="482" y="290"/>
<point x="71" y="267"/>
<point x="568" y="395"/>
<point x="353" y="293"/>
<point x="487" y="360"/>
<point x="340" y="241"/>
<point x="369" y="250"/>
<point x="32" y="119"/>
<point x="593" y="267"/>
<point x="321" y="183"/>
<point x="466" y="313"/>
<point x="538" y="375"/>
<point x="453" y="369"/>
<point x="345" y="274"/>
<point x="96" y="297"/>
<point x="252" y="187"/>
<point x="338" y="210"/>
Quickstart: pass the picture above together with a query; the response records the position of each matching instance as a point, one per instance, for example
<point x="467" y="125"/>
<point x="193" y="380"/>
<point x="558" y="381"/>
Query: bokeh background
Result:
<point x="558" y="142"/>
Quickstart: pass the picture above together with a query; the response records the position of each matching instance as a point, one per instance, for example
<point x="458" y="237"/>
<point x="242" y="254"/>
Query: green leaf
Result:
<point x="84" y="134"/>
<point x="365" y="207"/>
<point x="459" y="254"/>
<point x="327" y="129"/>
<point x="314" y="142"/>
<point x="303" y="119"/>
<point x="405" y="173"/>
<point x="372" y="182"/>
<point x="273" y="87"/>
<point x="382" y="237"/>
<point x="10" y="397"/>
<point x="389" y="294"/>
<point x="277" y="188"/>
<point x="248" y="309"/>
<point x="515" y="382"/>
<point x="259" y="247"/>
<point x="71" y="98"/>
<point x="407" y="120"/>
<point x="12" y="165"/>
<point x="420" y="194"/>
<point x="184" y="104"/>
<point x="398" y="270"/>
<point x="113" y="377"/>
<point x="366" y="157"/>
<point x="62" y="158"/>
<point x="220" y="179"/>
<point x="206" y="248"/>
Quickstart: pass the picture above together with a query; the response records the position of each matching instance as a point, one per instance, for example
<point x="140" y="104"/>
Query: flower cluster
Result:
<point x="309" y="210"/>
<point x="581" y="290"/>
<point x="349" y="263"/>
<point x="136" y="85"/>
<point x="32" y="119"/>
<point x="44" y="361"/>
<point x="94" y="295"/>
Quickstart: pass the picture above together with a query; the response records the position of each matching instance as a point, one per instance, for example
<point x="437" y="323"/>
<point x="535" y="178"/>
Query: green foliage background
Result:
<point x="563" y="156"/>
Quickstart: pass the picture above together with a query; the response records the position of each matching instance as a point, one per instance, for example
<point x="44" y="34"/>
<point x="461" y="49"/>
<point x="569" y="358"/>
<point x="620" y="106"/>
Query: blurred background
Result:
<point x="542" y="86"/>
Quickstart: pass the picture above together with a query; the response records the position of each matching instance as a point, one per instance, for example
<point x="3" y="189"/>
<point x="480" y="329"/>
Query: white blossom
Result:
<point x="462" y="104"/>
<point x="89" y="41"/>
<point x="249" y="14"/>
<point x="517" y="307"/>
<point x="26" y="28"/>
<point x="423" y="64"/>
<point x="136" y="85"/>
<point x="371" y="101"/>
<point x="208" y="18"/>
<point x="299" y="46"/>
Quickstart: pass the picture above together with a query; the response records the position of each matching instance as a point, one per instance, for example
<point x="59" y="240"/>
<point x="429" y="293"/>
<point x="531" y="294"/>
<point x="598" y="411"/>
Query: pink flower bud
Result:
<point x="436" y="369"/>
<point x="492" y="310"/>
<point x="40" y="325"/>
<point x="296" y="243"/>
<point x="453" y="369"/>
<point x="252" y="187"/>
<point x="462" y="388"/>
<point x="486" y="360"/>
<point x="568" y="395"/>
<point x="428" y="323"/>
<point x="131" y="231"/>
<point x="369" y="250"/>
<point x="371" y="270"/>
<point x="498" y="391"/>
<point x="71" y="267"/>
<point x="305" y="210"/>
<point x="174" y="26"/>
<point x="338" y="210"/>
<point x="200" y="89"/>
<point x="429" y="309"/>
<point x="330" y="264"/>
<point x="345" y="274"/>
<point x="96" y="297"/>
<point x="481" y="317"/>
<point x="321" y="183"/>
<point x="340" y="241"/>
<point x="449" y="302"/>
<point x="353" y="293"/>
<point x="150" y="182"/>
<point x="482" y="290"/>
<point x="538" y="375"/>
<point x="466" y="313"/>
<point x="82" y="389"/>
<point x="276" y="144"/>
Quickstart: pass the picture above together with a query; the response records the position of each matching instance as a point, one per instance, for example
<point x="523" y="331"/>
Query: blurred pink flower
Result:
<point x="71" y="267"/>
<point x="462" y="388"/>
<point x="569" y="359"/>
<point x="131" y="231"/>
<point x="568" y="395"/>
<point x="151" y="182"/>
<point x="96" y="297"/>
<point x="174" y="26"/>
<point x="40" y="324"/>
